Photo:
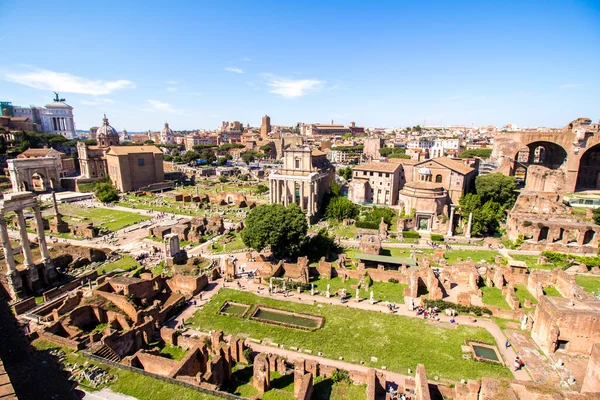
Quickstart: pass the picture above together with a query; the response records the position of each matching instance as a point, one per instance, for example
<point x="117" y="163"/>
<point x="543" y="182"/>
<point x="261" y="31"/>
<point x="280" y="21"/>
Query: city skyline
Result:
<point x="380" y="65"/>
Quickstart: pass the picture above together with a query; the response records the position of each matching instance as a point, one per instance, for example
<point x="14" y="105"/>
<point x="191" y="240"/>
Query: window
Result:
<point x="380" y="175"/>
<point x="438" y="178"/>
<point x="140" y="162"/>
<point x="297" y="163"/>
<point x="371" y="173"/>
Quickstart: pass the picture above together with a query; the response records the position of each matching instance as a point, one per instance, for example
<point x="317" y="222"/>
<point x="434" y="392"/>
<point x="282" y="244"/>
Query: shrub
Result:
<point x="436" y="237"/>
<point x="393" y="280"/>
<point x="340" y="375"/>
<point x="248" y="355"/>
<point x="411" y="234"/>
<point x="366" y="225"/>
<point x="442" y="305"/>
<point x="527" y="223"/>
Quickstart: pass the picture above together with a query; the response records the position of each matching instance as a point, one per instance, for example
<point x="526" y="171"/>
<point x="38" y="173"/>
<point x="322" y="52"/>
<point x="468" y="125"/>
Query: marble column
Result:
<point x="271" y="191"/>
<point x="311" y="199"/>
<point x="41" y="236"/>
<point x="28" y="257"/>
<point x="286" y="198"/>
<point x="451" y="222"/>
<point x="277" y="192"/>
<point x="469" y="224"/>
<point x="293" y="189"/>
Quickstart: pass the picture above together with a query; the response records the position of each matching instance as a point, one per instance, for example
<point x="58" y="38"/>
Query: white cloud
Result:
<point x="247" y="59"/>
<point x="291" y="87"/>
<point x="171" y="89"/>
<point x="570" y="85"/>
<point x="97" y="102"/>
<point x="157" y="105"/>
<point x="171" y="82"/>
<point x="44" y="79"/>
<point x="236" y="70"/>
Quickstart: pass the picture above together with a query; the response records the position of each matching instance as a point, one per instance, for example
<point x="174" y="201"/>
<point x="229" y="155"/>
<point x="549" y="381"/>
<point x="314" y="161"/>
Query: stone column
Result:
<point x="302" y="195"/>
<point x="28" y="257"/>
<point x="451" y="222"/>
<point x="271" y="191"/>
<point x="286" y="198"/>
<point x="293" y="189"/>
<point x="468" y="232"/>
<point x="41" y="236"/>
<point x="311" y="199"/>
<point x="8" y="251"/>
<point x="277" y="192"/>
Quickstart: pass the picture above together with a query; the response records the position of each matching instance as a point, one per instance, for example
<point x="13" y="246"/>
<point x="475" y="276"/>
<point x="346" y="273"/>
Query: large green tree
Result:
<point x="282" y="228"/>
<point x="340" y="208"/>
<point x="494" y="194"/>
<point x="106" y="192"/>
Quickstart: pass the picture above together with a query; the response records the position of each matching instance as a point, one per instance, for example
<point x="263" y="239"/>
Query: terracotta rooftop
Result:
<point x="378" y="167"/>
<point x="424" y="185"/>
<point x="125" y="150"/>
<point x="34" y="153"/>
<point x="316" y="152"/>
<point x="455" y="165"/>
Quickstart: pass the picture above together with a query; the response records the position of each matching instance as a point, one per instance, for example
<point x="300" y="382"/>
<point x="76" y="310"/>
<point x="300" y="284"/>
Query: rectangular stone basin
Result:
<point x="287" y="319"/>
<point x="486" y="353"/>
<point x="234" y="309"/>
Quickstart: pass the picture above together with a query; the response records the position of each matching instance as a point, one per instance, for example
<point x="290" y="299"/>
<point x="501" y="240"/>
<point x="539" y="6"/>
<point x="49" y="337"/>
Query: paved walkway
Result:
<point x="508" y="354"/>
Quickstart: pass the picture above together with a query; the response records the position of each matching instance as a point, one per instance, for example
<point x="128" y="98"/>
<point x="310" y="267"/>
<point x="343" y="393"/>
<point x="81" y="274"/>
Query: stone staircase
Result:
<point x="106" y="352"/>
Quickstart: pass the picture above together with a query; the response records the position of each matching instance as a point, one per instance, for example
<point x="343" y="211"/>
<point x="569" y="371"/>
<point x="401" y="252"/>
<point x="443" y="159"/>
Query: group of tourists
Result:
<point x="429" y="312"/>
<point x="518" y="363"/>
<point x="391" y="307"/>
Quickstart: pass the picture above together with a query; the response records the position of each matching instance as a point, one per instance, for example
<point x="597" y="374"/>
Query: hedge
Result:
<point x="442" y="305"/>
<point x="366" y="225"/>
<point x="436" y="237"/>
<point x="411" y="234"/>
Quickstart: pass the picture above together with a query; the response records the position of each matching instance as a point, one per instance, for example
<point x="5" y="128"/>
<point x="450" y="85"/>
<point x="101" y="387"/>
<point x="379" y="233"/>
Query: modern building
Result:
<point x="375" y="183"/>
<point x="304" y="179"/>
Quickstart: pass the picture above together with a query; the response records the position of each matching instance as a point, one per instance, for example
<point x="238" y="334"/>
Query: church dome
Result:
<point x="166" y="131"/>
<point x="106" y="129"/>
<point x="424" y="171"/>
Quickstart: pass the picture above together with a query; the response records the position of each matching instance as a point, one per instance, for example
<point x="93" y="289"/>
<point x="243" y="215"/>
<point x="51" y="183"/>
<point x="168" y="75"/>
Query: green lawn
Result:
<point x="357" y="335"/>
<point x="132" y="384"/>
<point x="476" y="255"/>
<point x="531" y="262"/>
<point x="125" y="263"/>
<point x="173" y="352"/>
<point x="590" y="284"/>
<point x="523" y="294"/>
<point x="382" y="291"/>
<point x="493" y="296"/>
<point x="551" y="291"/>
<point x="113" y="220"/>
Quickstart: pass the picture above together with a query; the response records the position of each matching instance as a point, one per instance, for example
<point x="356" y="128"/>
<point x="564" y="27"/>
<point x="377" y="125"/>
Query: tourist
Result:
<point x="507" y="345"/>
<point x="517" y="363"/>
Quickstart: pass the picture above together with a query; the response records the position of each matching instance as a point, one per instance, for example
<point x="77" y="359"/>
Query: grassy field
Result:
<point x="493" y="296"/>
<point x="476" y="255"/>
<point x="173" y="352"/>
<point x="357" y="335"/>
<point x="531" y="262"/>
<point x="382" y="291"/>
<point x="590" y="284"/>
<point x="551" y="291"/>
<point x="523" y="294"/>
<point x="125" y="263"/>
<point x="129" y="383"/>
<point x="113" y="220"/>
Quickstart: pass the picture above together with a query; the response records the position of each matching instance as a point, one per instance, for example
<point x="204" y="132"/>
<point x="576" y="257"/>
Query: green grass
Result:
<point x="590" y="284"/>
<point x="130" y="383"/>
<point x="382" y="291"/>
<point x="125" y="263"/>
<point x="493" y="296"/>
<point x="489" y="256"/>
<point x="39" y="300"/>
<point x="112" y="220"/>
<point x="173" y="352"/>
<point x="532" y="262"/>
<point x="357" y="335"/>
<point x="523" y="294"/>
<point x="551" y="291"/>
<point x="503" y="323"/>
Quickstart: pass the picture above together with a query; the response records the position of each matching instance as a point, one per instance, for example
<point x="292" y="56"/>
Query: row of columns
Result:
<point x="14" y="278"/>
<point x="60" y="124"/>
<point x="283" y="191"/>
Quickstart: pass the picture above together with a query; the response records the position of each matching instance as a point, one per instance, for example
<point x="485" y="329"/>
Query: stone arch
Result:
<point x="38" y="182"/>
<point x="561" y="235"/>
<point x="588" y="236"/>
<point x="547" y="154"/>
<point x="588" y="173"/>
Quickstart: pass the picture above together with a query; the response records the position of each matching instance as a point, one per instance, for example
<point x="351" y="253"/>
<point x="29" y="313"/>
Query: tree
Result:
<point x="340" y="208"/>
<point x="482" y="153"/>
<point x="335" y="189"/>
<point x="3" y="146"/>
<point x="282" y="228"/>
<point x="345" y="173"/>
<point x="596" y="215"/>
<point x="497" y="187"/>
<point x="265" y="149"/>
<point x="106" y="192"/>
<point x="221" y="161"/>
<point x="148" y="141"/>
<point x="260" y="189"/>
<point x="248" y="157"/>
<point x="189" y="157"/>
<point x="374" y="217"/>
<point x="320" y="245"/>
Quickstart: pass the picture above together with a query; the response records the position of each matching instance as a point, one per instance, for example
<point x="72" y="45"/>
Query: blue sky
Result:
<point x="380" y="64"/>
